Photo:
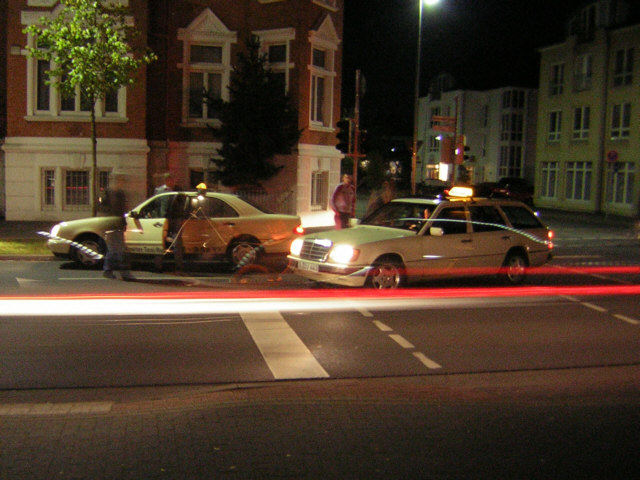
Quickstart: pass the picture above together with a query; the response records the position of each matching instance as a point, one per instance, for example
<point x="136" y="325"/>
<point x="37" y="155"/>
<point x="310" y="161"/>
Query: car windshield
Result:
<point x="403" y="215"/>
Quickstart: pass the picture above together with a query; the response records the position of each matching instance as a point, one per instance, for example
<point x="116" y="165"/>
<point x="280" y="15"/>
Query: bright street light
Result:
<point x="414" y="151"/>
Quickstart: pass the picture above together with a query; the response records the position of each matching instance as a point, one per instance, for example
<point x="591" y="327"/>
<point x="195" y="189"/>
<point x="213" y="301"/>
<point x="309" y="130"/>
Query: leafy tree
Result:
<point x="258" y="122"/>
<point x="89" y="44"/>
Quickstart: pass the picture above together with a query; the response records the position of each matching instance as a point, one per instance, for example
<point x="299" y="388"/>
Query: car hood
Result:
<point x="361" y="234"/>
<point x="93" y="224"/>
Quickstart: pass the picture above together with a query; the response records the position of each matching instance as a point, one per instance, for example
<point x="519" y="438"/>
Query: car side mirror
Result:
<point x="134" y="214"/>
<point x="436" y="232"/>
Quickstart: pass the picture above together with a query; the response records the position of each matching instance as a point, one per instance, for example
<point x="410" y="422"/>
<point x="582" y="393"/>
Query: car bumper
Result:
<point x="329" y="273"/>
<point x="58" y="247"/>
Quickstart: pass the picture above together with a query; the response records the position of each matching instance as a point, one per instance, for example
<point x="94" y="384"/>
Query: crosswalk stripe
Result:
<point x="283" y="351"/>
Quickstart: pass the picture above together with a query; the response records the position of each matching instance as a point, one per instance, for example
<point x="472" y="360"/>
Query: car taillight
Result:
<point x="550" y="236"/>
<point x="298" y="230"/>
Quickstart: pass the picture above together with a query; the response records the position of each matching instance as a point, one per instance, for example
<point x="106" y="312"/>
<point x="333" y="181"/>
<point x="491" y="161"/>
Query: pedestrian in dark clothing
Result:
<point x="343" y="202"/>
<point x="114" y="204"/>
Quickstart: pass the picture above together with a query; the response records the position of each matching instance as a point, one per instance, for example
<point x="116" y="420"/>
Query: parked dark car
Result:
<point x="513" y="188"/>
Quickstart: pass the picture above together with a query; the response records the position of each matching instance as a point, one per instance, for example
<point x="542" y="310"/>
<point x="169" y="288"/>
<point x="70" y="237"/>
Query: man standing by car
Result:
<point x="343" y="202"/>
<point x="114" y="204"/>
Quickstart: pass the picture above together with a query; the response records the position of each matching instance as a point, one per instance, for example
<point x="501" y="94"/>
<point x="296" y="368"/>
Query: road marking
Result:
<point x="15" y="409"/>
<point x="283" y="351"/>
<point x="594" y="307"/>
<point x="624" y="318"/>
<point x="426" y="361"/>
<point x="382" y="326"/>
<point x="400" y="340"/>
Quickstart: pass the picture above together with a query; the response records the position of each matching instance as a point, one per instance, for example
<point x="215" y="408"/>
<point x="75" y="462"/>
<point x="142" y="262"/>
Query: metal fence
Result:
<point x="276" y="202"/>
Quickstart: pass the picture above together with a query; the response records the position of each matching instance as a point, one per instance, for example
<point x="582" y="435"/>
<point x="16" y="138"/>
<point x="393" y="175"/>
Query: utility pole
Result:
<point x="356" y="132"/>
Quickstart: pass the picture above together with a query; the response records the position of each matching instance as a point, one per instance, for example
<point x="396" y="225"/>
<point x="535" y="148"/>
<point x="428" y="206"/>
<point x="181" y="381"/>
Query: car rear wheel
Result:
<point x="387" y="273"/>
<point x="243" y="251"/>
<point x="514" y="268"/>
<point x="89" y="244"/>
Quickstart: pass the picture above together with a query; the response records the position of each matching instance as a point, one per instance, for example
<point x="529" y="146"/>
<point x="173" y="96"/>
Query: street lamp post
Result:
<point x="416" y="100"/>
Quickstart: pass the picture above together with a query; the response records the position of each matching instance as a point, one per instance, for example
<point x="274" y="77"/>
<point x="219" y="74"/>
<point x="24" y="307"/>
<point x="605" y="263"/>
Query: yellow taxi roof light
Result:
<point x="464" y="192"/>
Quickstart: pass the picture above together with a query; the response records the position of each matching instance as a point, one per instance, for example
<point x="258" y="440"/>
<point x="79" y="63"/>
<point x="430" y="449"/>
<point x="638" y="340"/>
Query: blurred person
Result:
<point x="164" y="183"/>
<point x="343" y="202"/>
<point x="380" y="197"/>
<point x="114" y="204"/>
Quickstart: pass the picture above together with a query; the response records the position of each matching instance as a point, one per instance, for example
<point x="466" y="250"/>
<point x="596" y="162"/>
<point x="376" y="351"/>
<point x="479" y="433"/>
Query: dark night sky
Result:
<point x="484" y="43"/>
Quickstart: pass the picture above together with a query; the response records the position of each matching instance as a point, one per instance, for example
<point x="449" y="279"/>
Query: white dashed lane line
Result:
<point x="598" y="308"/>
<point x="406" y="344"/>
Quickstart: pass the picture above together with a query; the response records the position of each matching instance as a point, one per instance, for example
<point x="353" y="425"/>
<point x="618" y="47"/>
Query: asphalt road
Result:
<point x="189" y="377"/>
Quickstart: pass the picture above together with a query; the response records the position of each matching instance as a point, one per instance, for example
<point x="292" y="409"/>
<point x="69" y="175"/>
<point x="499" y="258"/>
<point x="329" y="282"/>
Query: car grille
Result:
<point x="316" y="250"/>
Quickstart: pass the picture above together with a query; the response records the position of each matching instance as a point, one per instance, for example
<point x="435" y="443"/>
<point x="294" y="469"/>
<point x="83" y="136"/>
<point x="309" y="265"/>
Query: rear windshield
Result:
<point x="520" y="217"/>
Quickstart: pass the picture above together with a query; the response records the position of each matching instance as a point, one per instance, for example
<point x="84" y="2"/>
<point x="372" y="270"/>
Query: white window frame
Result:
<point x="206" y="30"/>
<point x="579" y="179"/>
<point x="581" y="122"/>
<point x="623" y="67"/>
<point x="322" y="78"/>
<point x="620" y="121"/>
<point x="549" y="180"/>
<point x="77" y="201"/>
<point x="510" y="161"/>
<point x="555" y="126"/>
<point x="620" y="182"/>
<point x="280" y="36"/>
<point x="319" y="199"/>
<point x="556" y="83"/>
<point x="54" y="110"/>
<point x="48" y="182"/>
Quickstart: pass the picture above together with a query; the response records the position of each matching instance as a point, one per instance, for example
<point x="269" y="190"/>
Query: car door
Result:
<point x="209" y="227"/>
<point x="147" y="226"/>
<point x="446" y="242"/>
<point x="491" y="239"/>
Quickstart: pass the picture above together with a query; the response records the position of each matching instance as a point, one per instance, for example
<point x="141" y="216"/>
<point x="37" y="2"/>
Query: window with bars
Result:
<point x="581" y="121"/>
<point x="578" y="180"/>
<point x="48" y="185"/>
<point x="620" y="180"/>
<point x="319" y="190"/>
<point x="76" y="189"/>
<point x="549" y="179"/>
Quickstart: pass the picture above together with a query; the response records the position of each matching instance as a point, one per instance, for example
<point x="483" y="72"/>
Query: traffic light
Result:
<point x="344" y="135"/>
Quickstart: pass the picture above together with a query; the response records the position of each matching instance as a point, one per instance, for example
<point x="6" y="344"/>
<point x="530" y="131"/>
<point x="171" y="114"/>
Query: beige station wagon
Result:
<point x="413" y="239"/>
<point x="215" y="226"/>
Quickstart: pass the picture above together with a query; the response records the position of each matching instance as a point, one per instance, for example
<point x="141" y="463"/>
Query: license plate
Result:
<point x="309" y="267"/>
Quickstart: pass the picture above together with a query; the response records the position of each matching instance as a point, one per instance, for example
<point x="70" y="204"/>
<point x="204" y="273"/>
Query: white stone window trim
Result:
<point x="205" y="30"/>
<point x="279" y="36"/>
<point x="55" y="113"/>
<point x="331" y="5"/>
<point x="325" y="38"/>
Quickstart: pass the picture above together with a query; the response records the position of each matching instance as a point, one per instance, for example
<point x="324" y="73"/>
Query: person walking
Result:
<point x="343" y="202"/>
<point x="114" y="204"/>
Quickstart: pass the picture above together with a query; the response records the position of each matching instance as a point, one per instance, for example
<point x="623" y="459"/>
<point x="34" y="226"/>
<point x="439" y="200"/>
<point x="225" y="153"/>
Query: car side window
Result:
<point x="216" y="208"/>
<point x="452" y="220"/>
<point x="157" y="208"/>
<point x="520" y="217"/>
<point x="486" y="218"/>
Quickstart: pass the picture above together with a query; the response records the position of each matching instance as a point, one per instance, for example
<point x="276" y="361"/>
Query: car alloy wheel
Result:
<point x="515" y="267"/>
<point x="243" y="252"/>
<point x="85" y="259"/>
<point x="387" y="274"/>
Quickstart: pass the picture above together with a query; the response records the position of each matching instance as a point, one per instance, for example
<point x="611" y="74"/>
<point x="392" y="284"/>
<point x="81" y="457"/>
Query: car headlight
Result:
<point x="296" y="246"/>
<point x="343" y="254"/>
<point x="56" y="229"/>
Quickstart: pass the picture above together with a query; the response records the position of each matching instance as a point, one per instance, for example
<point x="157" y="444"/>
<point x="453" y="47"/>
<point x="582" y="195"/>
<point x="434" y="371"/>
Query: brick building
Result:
<point x="160" y="123"/>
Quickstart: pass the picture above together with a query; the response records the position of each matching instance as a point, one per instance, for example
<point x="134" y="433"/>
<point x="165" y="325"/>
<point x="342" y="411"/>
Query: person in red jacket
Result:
<point x="343" y="202"/>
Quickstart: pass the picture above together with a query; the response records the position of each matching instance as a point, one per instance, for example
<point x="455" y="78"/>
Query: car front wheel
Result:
<point x="84" y="254"/>
<point x="387" y="273"/>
